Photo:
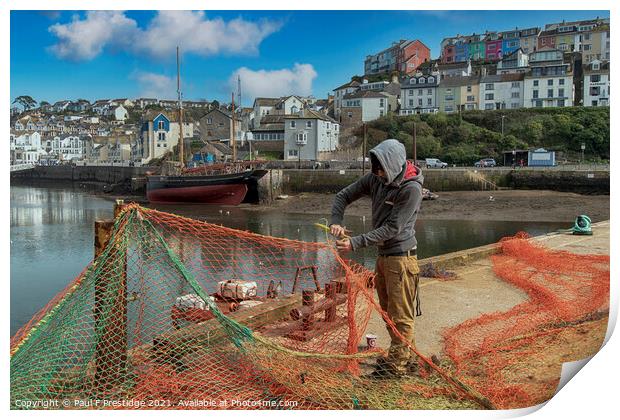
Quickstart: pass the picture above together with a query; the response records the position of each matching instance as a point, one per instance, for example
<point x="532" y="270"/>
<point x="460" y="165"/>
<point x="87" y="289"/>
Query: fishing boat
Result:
<point x="226" y="184"/>
<point x="225" y="189"/>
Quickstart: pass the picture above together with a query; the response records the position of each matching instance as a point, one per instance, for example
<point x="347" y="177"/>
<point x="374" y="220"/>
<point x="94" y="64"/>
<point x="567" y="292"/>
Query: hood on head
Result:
<point x="392" y="156"/>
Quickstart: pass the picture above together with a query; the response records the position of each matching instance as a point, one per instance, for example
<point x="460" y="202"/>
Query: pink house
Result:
<point x="493" y="50"/>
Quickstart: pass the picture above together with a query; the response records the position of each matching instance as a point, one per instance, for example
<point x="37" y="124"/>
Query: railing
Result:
<point x="22" y="167"/>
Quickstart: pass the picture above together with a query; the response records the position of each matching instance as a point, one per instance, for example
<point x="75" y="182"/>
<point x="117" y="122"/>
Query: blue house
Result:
<point x="541" y="157"/>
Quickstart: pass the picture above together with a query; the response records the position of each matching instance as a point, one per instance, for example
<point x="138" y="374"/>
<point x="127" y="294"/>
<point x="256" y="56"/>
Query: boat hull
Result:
<point x="227" y="189"/>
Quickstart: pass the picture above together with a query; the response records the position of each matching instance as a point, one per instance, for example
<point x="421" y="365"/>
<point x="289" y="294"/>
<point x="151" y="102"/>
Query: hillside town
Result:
<point x="564" y="64"/>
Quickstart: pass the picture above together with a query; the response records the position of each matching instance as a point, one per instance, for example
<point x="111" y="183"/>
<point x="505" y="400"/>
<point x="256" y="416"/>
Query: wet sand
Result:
<point x="505" y="205"/>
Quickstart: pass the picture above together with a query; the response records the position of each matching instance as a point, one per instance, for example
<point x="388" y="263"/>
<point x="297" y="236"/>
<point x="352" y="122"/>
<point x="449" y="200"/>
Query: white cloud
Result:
<point x="84" y="39"/>
<point x="154" y="85"/>
<point x="274" y="83"/>
<point x="193" y="32"/>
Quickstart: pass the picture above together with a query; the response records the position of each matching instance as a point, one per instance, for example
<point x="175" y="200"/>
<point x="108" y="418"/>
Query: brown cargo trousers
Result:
<point x="396" y="280"/>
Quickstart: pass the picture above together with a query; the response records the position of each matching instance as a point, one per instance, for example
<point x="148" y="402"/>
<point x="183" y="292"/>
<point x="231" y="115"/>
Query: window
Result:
<point x="595" y="91"/>
<point x="430" y="91"/>
<point x="488" y="86"/>
<point x="550" y="82"/>
<point x="468" y="88"/>
<point x="302" y="138"/>
<point x="381" y="102"/>
<point x="410" y="102"/>
<point x="561" y="93"/>
<point x="489" y="106"/>
<point x="489" y="96"/>
<point x="594" y="103"/>
<point x="429" y="101"/>
<point x="308" y="124"/>
<point x="292" y="153"/>
<point x="294" y="123"/>
<point x="381" y="113"/>
<point x="470" y="98"/>
<point x="538" y="104"/>
<point x="514" y="105"/>
<point x="549" y="93"/>
<point x="561" y="102"/>
<point x="160" y="125"/>
<point x="431" y="80"/>
<point x="350" y="114"/>
<point x="412" y="81"/>
<point x="515" y="84"/>
<point x="535" y="82"/>
<point x="209" y="120"/>
<point x="561" y="82"/>
<point x="420" y="92"/>
<point x="587" y="47"/>
<point x="449" y="108"/>
<point x="161" y="136"/>
<point x="534" y="94"/>
<point x="419" y="102"/>
<point x="422" y="80"/>
<point x="411" y="92"/>
<point x="595" y="78"/>
<point x="515" y="94"/>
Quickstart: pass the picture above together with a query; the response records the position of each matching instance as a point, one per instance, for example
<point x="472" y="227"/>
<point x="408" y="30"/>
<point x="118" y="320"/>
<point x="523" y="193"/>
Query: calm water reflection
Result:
<point x="52" y="237"/>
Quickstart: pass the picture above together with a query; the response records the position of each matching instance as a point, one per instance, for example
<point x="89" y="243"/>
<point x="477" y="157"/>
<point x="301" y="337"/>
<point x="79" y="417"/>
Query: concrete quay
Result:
<point x="476" y="290"/>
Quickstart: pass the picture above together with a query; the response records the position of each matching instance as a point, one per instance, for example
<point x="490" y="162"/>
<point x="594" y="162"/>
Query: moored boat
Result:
<point x="224" y="189"/>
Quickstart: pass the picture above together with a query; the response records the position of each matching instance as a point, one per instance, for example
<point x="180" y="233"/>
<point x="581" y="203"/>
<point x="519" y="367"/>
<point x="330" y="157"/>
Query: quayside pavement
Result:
<point x="476" y="290"/>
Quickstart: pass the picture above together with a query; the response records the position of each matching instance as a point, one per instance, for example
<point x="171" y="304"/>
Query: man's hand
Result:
<point x="338" y="231"/>
<point x="344" y="245"/>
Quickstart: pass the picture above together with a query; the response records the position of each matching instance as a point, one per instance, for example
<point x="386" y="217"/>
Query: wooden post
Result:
<point x="415" y="146"/>
<point x="330" y="293"/>
<point x="307" y="299"/>
<point x="110" y="311"/>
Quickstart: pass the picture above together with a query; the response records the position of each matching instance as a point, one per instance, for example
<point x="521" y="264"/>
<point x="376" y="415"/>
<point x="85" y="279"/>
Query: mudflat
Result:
<point x="502" y="205"/>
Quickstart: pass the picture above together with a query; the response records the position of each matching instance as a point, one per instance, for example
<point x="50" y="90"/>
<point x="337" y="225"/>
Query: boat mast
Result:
<point x="181" y="138"/>
<point x="232" y="131"/>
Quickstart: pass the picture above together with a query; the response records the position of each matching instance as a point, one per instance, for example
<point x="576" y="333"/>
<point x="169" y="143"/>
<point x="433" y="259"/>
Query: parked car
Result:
<point x="435" y="163"/>
<point x="485" y="163"/>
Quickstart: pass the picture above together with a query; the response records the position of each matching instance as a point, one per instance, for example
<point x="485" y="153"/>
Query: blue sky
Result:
<point x="92" y="55"/>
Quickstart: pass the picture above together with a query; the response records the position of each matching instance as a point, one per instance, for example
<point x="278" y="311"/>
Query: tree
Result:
<point x="44" y="103"/>
<point x="26" y="102"/>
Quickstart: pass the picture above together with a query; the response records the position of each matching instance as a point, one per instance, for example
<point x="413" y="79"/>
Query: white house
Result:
<point x="119" y="113"/>
<point x="144" y="102"/>
<point x="262" y="107"/>
<point x="364" y="106"/>
<point x="418" y="94"/>
<point x="289" y="105"/>
<point x="160" y="133"/>
<point x="501" y="91"/>
<point x="60" y="106"/>
<point x="596" y="83"/>
<point x="308" y="134"/>
<point x="549" y="83"/>
<point x="515" y="62"/>
<point x="26" y="146"/>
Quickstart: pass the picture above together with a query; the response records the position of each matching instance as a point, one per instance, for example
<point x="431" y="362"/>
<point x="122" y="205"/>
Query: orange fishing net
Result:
<point x="177" y="313"/>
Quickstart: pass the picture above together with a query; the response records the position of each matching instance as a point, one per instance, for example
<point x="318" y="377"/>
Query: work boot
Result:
<point x="385" y="372"/>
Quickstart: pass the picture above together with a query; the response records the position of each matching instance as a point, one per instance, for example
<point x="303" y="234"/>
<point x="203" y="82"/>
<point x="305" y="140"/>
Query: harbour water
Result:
<point x="52" y="237"/>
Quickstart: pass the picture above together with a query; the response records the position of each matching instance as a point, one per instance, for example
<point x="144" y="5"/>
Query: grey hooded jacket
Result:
<point x="395" y="201"/>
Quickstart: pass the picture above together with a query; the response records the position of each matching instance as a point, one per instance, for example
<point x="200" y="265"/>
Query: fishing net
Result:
<point x="564" y="290"/>
<point x="177" y="313"/>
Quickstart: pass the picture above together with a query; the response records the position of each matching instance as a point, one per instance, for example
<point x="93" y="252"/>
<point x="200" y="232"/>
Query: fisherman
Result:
<point x="395" y="188"/>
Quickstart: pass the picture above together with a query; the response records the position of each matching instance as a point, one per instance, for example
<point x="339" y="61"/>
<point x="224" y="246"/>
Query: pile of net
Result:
<point x="178" y="313"/>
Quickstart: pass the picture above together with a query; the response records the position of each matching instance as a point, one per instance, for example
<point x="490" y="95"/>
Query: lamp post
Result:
<point x="503" y="116"/>
<point x="583" y="148"/>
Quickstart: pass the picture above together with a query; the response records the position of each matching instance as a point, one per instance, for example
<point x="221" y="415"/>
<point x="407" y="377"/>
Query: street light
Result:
<point x="503" y="116"/>
<point x="583" y="148"/>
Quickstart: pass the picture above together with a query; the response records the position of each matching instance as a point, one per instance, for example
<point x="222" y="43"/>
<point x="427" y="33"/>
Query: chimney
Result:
<point x="365" y="81"/>
<point x="395" y="78"/>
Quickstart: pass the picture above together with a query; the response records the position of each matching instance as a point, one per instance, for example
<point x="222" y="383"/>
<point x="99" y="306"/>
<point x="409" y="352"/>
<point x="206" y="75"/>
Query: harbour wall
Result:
<point x="294" y="181"/>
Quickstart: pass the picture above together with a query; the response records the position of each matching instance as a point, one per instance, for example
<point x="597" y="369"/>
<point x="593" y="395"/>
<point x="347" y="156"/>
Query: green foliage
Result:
<point x="473" y="135"/>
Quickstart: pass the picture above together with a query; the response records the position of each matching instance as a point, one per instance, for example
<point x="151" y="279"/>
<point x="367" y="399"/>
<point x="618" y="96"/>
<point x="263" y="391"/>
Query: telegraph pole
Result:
<point x="415" y="144"/>
<point x="364" y="150"/>
<point x="181" y="139"/>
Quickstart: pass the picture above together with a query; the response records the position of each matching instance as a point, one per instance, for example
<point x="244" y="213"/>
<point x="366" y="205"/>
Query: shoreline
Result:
<point x="506" y="205"/>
